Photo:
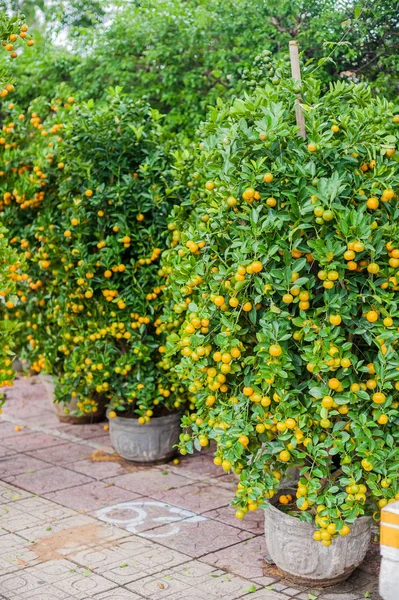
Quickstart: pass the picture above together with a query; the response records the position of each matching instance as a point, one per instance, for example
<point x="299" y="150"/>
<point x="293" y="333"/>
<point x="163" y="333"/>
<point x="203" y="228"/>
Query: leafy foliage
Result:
<point x="90" y="211"/>
<point x="11" y="272"/>
<point x="12" y="32"/>
<point x="288" y="251"/>
<point x="181" y="57"/>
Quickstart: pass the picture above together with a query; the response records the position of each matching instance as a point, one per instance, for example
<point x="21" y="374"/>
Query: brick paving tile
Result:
<point x="84" y="432"/>
<point x="34" y="441"/>
<point x="18" y="464"/>
<point x="9" y="493"/>
<point x="188" y="596"/>
<point x="99" y="556"/>
<point x="150" y="481"/>
<point x="45" y="592"/>
<point x="253" y="522"/>
<point x="118" y="594"/>
<point x="7" y="430"/>
<point x="83" y="584"/>
<point x="91" y="496"/>
<point x="104" y="470"/>
<point x="198" y="466"/>
<point x="43" y="508"/>
<point x="291" y="591"/>
<point x="246" y="559"/>
<point x="196" y="537"/>
<point x="15" y="554"/>
<point x="353" y="588"/>
<point x="228" y="481"/>
<point x="191" y="578"/>
<point x="4" y="451"/>
<point x="14" y="519"/>
<point x="266" y="595"/>
<point x="102" y="440"/>
<point x="65" y="453"/>
<point x="50" y="479"/>
<point x="196" y="497"/>
<point x="131" y="559"/>
<point x="31" y="410"/>
<point x="53" y="571"/>
<point x="339" y="596"/>
<point x="48" y="529"/>
<point x="20" y="583"/>
<point x="145" y="514"/>
<point x="43" y="422"/>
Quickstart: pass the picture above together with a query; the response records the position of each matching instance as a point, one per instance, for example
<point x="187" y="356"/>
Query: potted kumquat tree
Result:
<point x="285" y="258"/>
<point x="103" y="241"/>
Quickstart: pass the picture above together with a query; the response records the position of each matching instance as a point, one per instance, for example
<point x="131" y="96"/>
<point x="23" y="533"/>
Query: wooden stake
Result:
<point x="296" y="74"/>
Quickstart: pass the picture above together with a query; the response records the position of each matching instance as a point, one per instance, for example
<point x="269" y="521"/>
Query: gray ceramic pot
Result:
<point x="150" y="443"/>
<point x="63" y="410"/>
<point x="292" y="548"/>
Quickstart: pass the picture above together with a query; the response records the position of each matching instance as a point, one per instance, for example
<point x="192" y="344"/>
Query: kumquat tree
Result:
<point x="284" y="263"/>
<point x="13" y="33"/>
<point x="29" y="201"/>
<point x="106" y="247"/>
<point x="98" y="192"/>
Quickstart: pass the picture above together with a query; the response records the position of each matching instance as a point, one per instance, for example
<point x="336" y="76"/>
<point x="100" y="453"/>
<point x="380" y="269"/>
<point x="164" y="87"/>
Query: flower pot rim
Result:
<point x="153" y="421"/>
<point x="270" y="506"/>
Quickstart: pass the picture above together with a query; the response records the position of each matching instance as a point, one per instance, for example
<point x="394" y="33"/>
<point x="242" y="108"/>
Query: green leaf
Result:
<point x="250" y="589"/>
<point x="86" y="573"/>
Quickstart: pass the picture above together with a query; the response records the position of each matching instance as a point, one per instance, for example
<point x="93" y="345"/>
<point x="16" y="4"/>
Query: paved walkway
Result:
<point x="79" y="523"/>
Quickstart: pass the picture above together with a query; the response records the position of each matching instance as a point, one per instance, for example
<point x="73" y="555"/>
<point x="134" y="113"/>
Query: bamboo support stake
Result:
<point x="296" y="74"/>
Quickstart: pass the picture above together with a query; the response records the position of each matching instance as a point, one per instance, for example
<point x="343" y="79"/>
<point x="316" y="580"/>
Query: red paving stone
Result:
<point x="51" y="479"/>
<point x="45" y="420"/>
<point x="199" y="497"/>
<point x="90" y="496"/>
<point x="34" y="441"/>
<point x="107" y="470"/>
<point x="253" y="522"/>
<point x="145" y="514"/>
<point x="7" y="430"/>
<point x="151" y="481"/>
<point x="6" y="452"/>
<point x="102" y="438"/>
<point x="19" y="464"/>
<point x="246" y="559"/>
<point x="199" y="466"/>
<point x="84" y="432"/>
<point x="65" y="453"/>
<point x="196" y="537"/>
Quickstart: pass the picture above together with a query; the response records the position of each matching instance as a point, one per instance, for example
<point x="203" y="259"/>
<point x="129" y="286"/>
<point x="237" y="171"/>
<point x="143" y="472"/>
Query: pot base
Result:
<point x="151" y="463"/>
<point x="317" y="583"/>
